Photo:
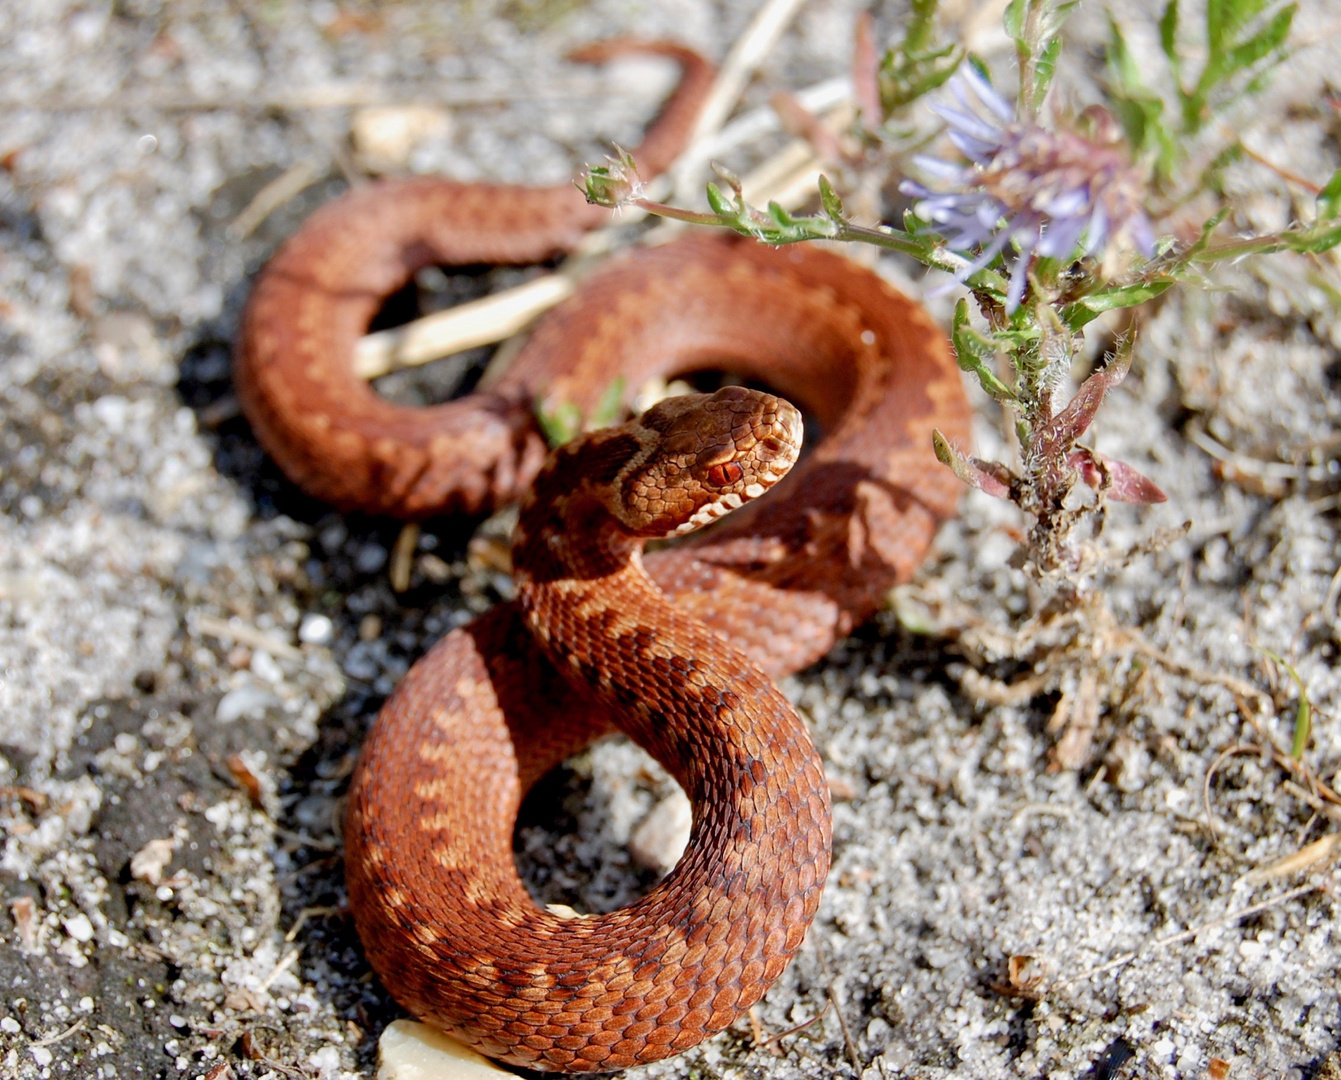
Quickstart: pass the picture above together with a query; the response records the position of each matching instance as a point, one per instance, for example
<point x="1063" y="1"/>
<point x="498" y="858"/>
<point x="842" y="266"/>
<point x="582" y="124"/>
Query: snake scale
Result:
<point x="676" y="649"/>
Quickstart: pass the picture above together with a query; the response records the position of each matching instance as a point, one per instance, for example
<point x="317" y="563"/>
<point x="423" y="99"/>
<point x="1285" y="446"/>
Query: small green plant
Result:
<point x="1242" y="40"/>
<point x="1303" y="716"/>
<point x="1048" y="225"/>
<point x="917" y="62"/>
<point x="563" y="421"/>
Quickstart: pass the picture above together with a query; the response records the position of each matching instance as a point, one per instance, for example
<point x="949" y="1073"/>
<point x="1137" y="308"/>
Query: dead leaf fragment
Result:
<point x="1307" y="856"/>
<point x="247" y="780"/>
<point x="1026" y="972"/>
<point x="24" y="913"/>
<point x="150" y="861"/>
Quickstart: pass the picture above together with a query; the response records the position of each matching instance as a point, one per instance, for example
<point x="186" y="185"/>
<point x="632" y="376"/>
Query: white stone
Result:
<point x="659" y="840"/>
<point x="150" y="861"/>
<point x="385" y="136"/>
<point x="316" y="629"/>
<point x="247" y="700"/>
<point x="264" y="667"/>
<point x="326" y="1062"/>
<point x="79" y="927"/>
<point x="414" y="1051"/>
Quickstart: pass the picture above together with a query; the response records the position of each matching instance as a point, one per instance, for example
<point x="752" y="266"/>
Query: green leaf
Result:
<point x="921" y="24"/>
<point x="1035" y="26"/>
<point x="1120" y="59"/>
<point x="611" y="405"/>
<point x="1019" y="338"/>
<point x="1168" y="36"/>
<point x="560" y="422"/>
<point x="721" y="205"/>
<point x="1313" y="239"/>
<point x="1215" y="24"/>
<point x="1045" y="66"/>
<point x="1303" y="716"/>
<point x="974" y="352"/>
<point x="1138" y="108"/>
<point x="833" y="205"/>
<point x="1207" y="230"/>
<point x="1225" y="17"/>
<point x="1317" y="242"/>
<point x="1228" y="54"/>
<point x="1248" y="53"/>
<point x="916" y="63"/>
<point x="1090" y="307"/>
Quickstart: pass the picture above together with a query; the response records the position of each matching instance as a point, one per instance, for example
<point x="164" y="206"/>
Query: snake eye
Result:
<point x="726" y="474"/>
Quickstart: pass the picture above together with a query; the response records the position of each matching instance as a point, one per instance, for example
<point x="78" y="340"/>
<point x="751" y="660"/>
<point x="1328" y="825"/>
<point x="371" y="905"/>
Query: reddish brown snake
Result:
<point x="444" y="917"/>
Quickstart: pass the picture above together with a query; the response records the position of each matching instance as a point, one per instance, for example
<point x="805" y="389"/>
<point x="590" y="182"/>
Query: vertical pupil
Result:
<point x="723" y="475"/>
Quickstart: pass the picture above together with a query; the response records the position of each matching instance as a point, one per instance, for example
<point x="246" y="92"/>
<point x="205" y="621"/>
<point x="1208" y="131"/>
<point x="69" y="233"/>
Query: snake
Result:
<point x="677" y="648"/>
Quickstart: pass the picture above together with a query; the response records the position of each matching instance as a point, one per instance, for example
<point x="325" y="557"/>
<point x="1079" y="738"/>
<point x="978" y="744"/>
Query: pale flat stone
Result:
<point x="659" y="841"/>
<point x="386" y="136"/>
<point x="409" y="1050"/>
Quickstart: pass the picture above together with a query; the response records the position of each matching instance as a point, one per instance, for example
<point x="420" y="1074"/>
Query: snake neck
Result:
<point x="600" y="619"/>
<point x="577" y="570"/>
<point x="564" y="529"/>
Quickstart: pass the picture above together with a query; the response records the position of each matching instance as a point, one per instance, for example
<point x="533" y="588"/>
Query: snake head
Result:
<point x="702" y="456"/>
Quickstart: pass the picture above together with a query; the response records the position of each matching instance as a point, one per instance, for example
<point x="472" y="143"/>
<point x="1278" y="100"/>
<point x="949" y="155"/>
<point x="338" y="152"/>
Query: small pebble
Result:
<point x="263" y="666"/>
<point x="370" y="559"/>
<point x="249" y="700"/>
<point x="316" y="629"/>
<point x="659" y="841"/>
<point x="78" y="927"/>
<point x="150" y="861"/>
<point x="358" y="664"/>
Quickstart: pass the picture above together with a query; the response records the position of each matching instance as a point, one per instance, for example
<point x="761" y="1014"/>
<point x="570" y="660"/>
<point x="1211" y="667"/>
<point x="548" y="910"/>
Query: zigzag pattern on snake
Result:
<point x="485" y="713"/>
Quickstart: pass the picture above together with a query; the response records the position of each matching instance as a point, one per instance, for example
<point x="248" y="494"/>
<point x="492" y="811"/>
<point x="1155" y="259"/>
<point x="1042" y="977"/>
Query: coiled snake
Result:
<point x="669" y="655"/>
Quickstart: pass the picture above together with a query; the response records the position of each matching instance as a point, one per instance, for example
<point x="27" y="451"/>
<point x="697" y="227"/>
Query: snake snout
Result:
<point x="748" y="437"/>
<point x="774" y="443"/>
<point x="783" y="436"/>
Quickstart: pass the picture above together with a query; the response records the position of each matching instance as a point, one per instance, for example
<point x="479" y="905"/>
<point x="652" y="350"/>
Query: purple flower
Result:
<point x="1044" y="191"/>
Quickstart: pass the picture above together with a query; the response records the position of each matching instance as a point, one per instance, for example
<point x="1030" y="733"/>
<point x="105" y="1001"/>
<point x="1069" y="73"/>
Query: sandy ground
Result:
<point x="190" y="649"/>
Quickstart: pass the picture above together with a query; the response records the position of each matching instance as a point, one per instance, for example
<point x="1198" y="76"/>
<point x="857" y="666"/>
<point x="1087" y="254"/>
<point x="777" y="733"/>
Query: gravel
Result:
<point x="191" y="649"/>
